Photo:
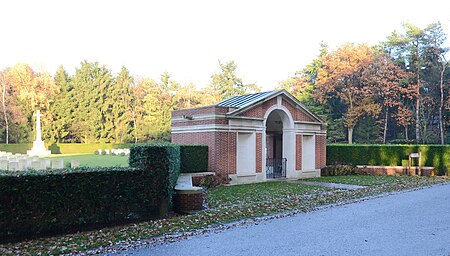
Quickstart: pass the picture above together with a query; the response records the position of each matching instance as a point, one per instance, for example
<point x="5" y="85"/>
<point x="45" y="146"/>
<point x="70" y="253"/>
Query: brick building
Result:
<point x="255" y="137"/>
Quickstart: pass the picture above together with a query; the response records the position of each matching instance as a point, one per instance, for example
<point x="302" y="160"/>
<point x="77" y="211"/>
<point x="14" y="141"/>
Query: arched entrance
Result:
<point x="277" y="143"/>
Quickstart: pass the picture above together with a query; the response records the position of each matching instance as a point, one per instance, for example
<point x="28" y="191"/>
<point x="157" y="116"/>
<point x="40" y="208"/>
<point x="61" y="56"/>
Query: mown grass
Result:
<point x="91" y="160"/>
<point x="362" y="180"/>
<point x="226" y="204"/>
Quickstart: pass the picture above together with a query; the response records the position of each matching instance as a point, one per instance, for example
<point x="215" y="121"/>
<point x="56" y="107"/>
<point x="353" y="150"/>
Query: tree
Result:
<point x="341" y="77"/>
<point x="407" y="50"/>
<point x="435" y="58"/>
<point x="92" y="119"/>
<point x="226" y="84"/>
<point x="120" y="104"/>
<point x="303" y="83"/>
<point x="5" y="88"/>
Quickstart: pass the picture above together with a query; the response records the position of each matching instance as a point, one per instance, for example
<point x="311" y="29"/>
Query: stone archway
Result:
<point x="279" y="144"/>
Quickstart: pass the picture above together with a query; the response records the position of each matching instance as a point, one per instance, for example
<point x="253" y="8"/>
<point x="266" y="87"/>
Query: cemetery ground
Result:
<point x="92" y="160"/>
<point x="227" y="206"/>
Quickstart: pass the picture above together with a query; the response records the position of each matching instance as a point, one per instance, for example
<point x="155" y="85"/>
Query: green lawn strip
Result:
<point x="227" y="204"/>
<point x="363" y="180"/>
<point x="91" y="160"/>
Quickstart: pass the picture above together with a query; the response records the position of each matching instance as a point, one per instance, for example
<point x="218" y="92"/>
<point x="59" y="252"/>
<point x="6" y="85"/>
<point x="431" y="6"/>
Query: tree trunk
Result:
<point x="406" y="132"/>
<point x="4" y="112"/>
<point x="385" y="127"/>
<point x="441" y="103"/>
<point x="418" y="98"/>
<point x="350" y="135"/>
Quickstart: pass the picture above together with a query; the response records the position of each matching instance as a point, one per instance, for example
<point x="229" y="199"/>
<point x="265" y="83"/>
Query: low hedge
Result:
<point x="34" y="204"/>
<point x="16" y="148"/>
<point x="193" y="158"/>
<point x="437" y="156"/>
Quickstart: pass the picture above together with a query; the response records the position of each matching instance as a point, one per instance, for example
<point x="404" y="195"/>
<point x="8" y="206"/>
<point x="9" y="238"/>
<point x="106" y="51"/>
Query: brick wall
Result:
<point x="321" y="141"/>
<point x="199" y="122"/>
<point x="297" y="114"/>
<point x="259" y="110"/>
<point x="200" y="111"/>
<point x="298" y="152"/>
<point x="259" y="152"/>
<point x="221" y="147"/>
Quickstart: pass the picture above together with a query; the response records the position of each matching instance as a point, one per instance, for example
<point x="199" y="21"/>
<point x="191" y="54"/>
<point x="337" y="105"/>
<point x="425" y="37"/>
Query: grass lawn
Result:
<point x="362" y="180"/>
<point x="92" y="160"/>
<point x="225" y="204"/>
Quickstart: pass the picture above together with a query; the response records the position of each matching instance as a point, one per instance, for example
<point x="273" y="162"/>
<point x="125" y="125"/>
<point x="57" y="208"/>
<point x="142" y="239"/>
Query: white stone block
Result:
<point x="22" y="164"/>
<point x="99" y="151"/>
<point x="13" y="166"/>
<point x="4" y="164"/>
<point x="37" y="165"/>
<point x="47" y="162"/>
<point x="58" y="163"/>
<point x="107" y="151"/>
<point x="74" y="163"/>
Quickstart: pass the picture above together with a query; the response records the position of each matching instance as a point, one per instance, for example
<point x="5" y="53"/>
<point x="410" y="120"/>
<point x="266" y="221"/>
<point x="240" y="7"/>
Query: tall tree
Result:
<point x="120" y="105"/>
<point x="435" y="52"/>
<point x="407" y="49"/>
<point x="227" y="84"/>
<point x="341" y="77"/>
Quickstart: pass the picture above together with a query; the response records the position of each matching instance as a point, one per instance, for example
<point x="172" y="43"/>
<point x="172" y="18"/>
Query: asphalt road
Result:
<point x="411" y="223"/>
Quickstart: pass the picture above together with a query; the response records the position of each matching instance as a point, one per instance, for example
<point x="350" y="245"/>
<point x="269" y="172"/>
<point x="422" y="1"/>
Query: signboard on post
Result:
<point x="415" y="155"/>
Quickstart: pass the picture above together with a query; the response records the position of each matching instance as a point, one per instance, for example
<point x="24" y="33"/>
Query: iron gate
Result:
<point x="275" y="168"/>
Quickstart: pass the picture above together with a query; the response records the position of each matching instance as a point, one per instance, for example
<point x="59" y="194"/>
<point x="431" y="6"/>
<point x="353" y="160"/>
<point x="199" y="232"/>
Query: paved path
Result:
<point x="412" y="223"/>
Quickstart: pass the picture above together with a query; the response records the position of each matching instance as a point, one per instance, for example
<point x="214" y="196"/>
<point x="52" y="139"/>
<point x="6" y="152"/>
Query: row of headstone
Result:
<point x="19" y="162"/>
<point x="116" y="151"/>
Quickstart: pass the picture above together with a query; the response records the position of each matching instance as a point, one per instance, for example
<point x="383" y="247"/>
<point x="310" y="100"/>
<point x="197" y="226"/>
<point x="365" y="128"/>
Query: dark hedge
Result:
<point x="36" y="204"/>
<point x="161" y="159"/>
<point x="437" y="156"/>
<point x="194" y="158"/>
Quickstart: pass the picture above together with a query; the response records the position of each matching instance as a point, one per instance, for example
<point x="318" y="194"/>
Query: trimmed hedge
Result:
<point x="437" y="156"/>
<point x="193" y="158"/>
<point x="16" y="148"/>
<point x="34" y="204"/>
<point x="42" y="203"/>
<point x="161" y="159"/>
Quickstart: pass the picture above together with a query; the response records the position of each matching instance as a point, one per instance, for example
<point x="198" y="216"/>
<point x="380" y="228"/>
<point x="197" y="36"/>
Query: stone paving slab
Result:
<point x="328" y="185"/>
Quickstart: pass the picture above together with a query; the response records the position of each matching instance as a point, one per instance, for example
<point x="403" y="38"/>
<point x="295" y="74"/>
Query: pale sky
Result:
<point x="269" y="40"/>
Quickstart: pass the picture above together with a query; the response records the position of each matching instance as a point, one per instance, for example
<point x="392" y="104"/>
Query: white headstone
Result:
<point x="13" y="166"/>
<point x="99" y="151"/>
<point x="58" y="163"/>
<point x="3" y="164"/>
<point x="74" y="163"/>
<point x="47" y="162"/>
<point x="107" y="151"/>
<point x="37" y="165"/>
<point x="23" y="164"/>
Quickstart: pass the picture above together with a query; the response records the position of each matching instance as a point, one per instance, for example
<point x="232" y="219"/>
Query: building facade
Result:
<point x="255" y="137"/>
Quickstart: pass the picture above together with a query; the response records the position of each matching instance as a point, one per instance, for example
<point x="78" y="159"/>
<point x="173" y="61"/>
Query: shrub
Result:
<point x="194" y="158"/>
<point x="340" y="170"/>
<point x="40" y="203"/>
<point x="437" y="156"/>
<point x="163" y="160"/>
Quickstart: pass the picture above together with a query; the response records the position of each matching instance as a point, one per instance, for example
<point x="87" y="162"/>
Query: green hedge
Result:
<point x="193" y="158"/>
<point x="16" y="148"/>
<point x="437" y="156"/>
<point x="43" y="203"/>
<point x="161" y="159"/>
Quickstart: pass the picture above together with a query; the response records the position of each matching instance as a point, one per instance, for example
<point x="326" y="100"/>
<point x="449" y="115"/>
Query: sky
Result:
<point x="268" y="40"/>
